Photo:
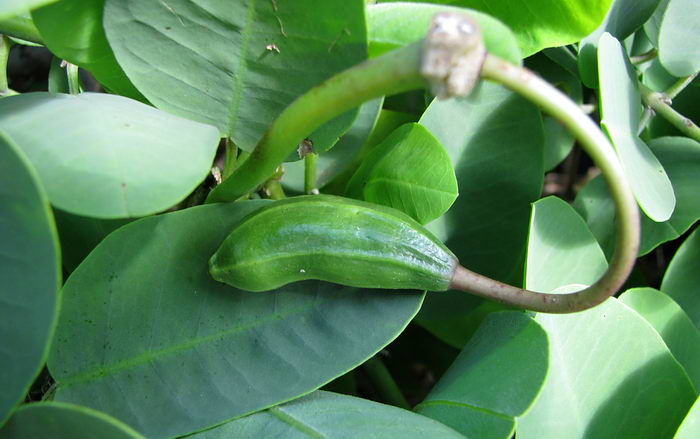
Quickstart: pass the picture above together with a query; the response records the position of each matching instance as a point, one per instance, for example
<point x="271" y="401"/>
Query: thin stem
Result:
<point x="385" y="383"/>
<point x="273" y="189"/>
<point x="22" y="28"/>
<point x="73" y="73"/>
<point x="660" y="104"/>
<point x="392" y="73"/>
<point x="231" y="151"/>
<point x="680" y="85"/>
<point x="599" y="149"/>
<point x="644" y="57"/>
<point x="310" y="173"/>
<point x="5" y="45"/>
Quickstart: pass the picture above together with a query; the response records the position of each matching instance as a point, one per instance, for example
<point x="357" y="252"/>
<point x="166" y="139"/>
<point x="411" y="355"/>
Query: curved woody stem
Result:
<point x="450" y="59"/>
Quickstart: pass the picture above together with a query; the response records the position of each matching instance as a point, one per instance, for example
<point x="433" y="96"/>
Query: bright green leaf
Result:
<point x="679" y="37"/>
<point x="108" y="156"/>
<point x="621" y="110"/>
<point x="9" y="8"/>
<point x="30" y="275"/>
<point x="394" y="25"/>
<point x="330" y="416"/>
<point x="149" y="337"/>
<point x="72" y="30"/>
<point x="234" y="65"/>
<point x="57" y="420"/>
<point x="682" y="278"/>
<point x="672" y="324"/>
<point x="610" y="376"/>
<point x="690" y="427"/>
<point x="409" y="171"/>
<point x="495" y="378"/>
<point x="561" y="250"/>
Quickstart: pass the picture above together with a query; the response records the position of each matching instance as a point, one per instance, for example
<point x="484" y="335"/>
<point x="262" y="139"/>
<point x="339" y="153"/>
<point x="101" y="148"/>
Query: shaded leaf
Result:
<point x="148" y="336"/>
<point x="29" y="276"/>
<point x="409" y="171"/>
<point x="621" y="110"/>
<point x="107" y="156"/>
<point x="59" y="420"/>
<point x="330" y="415"/>
<point x="495" y="378"/>
<point x="233" y="65"/>
<point x="673" y="325"/>
<point x="679" y="37"/>
<point x="682" y="278"/>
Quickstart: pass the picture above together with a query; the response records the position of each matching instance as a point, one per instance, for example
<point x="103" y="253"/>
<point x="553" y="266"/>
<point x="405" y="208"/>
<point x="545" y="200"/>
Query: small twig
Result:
<point x="310" y="173"/>
<point x="73" y="73"/>
<point x="660" y="103"/>
<point x="680" y="85"/>
<point x="5" y="45"/>
<point x="273" y="188"/>
<point x="385" y="383"/>
<point x="231" y="153"/>
<point x="644" y="57"/>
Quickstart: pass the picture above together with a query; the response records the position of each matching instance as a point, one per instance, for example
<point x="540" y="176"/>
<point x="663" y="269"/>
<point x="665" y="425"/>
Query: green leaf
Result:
<point x="561" y="250"/>
<point x="542" y="23"/>
<point x="29" y="276"/>
<point x="680" y="157"/>
<point x="409" y="171"/>
<point x="623" y="18"/>
<point x="330" y="415"/>
<point x="621" y="110"/>
<point x="495" y="378"/>
<point x="72" y="30"/>
<point x="690" y="427"/>
<point x="107" y="156"/>
<point x="610" y="376"/>
<point x="679" y="37"/>
<point x="149" y="337"/>
<point x="395" y="25"/>
<point x="58" y="420"/>
<point x="494" y="138"/>
<point x="233" y="65"/>
<point x="558" y="141"/>
<point x="673" y="325"/>
<point x="334" y="162"/>
<point x="682" y="278"/>
<point x="9" y="8"/>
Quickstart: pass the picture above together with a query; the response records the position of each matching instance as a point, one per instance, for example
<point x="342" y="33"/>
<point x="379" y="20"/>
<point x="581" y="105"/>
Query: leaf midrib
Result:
<point x="239" y="76"/>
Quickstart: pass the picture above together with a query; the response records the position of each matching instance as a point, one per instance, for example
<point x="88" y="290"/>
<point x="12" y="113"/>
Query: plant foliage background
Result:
<point x="111" y="326"/>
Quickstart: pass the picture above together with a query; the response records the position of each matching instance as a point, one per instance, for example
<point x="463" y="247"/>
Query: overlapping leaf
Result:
<point x="682" y="278"/>
<point x="679" y="37"/>
<point x="9" y="8"/>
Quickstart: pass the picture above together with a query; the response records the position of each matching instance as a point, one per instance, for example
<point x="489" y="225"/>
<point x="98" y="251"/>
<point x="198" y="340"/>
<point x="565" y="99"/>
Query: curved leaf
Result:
<point x="495" y="378"/>
<point x="107" y="156"/>
<point x="611" y="376"/>
<point x="621" y="110"/>
<point x="57" y="420"/>
<point x="149" y="337"/>
<point x="234" y="65"/>
<point x="9" y="8"/>
<point x="673" y="325"/>
<point x="690" y="427"/>
<point x="72" y="30"/>
<point x="679" y="37"/>
<point x="395" y="25"/>
<point x="409" y="171"/>
<point x="682" y="278"/>
<point x="330" y="415"/>
<point x="29" y="276"/>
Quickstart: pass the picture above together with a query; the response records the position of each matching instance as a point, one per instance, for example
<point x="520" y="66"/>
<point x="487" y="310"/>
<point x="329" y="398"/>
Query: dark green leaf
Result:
<point x="108" y="156"/>
<point x="148" y="336"/>
<point x="57" y="420"/>
<point x="494" y="379"/>
<point x="329" y="415"/>
<point x="682" y="279"/>
<point x="234" y="65"/>
<point x="409" y="171"/>
<point x="29" y="276"/>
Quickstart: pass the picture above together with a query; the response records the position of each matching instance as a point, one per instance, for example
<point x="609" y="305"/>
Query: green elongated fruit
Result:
<point x="334" y="239"/>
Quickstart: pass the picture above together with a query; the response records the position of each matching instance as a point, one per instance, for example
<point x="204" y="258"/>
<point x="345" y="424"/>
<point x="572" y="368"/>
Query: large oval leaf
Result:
<point x="107" y="156"/>
<point x="682" y="278"/>
<point x="673" y="325"/>
<point x="330" y="415"/>
<point x="30" y="275"/>
<point x="72" y="30"/>
<point x="611" y="374"/>
<point x="395" y="25"/>
<point x="409" y="171"/>
<point x="679" y="37"/>
<point x="495" y="378"/>
<point x="149" y="337"/>
<point x="234" y="65"/>
<point x="495" y="141"/>
<point x="57" y="420"/>
<point x="621" y="110"/>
